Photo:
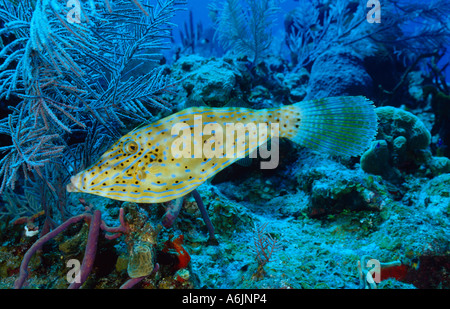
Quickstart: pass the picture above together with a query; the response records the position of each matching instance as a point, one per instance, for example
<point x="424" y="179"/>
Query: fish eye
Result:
<point x="130" y="147"/>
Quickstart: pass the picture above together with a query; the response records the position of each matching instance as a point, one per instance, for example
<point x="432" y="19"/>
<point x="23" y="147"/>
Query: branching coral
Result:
<point x="245" y="26"/>
<point x="264" y="247"/>
<point x="103" y="68"/>
<point x="310" y="34"/>
<point x="31" y="149"/>
<point x="411" y="28"/>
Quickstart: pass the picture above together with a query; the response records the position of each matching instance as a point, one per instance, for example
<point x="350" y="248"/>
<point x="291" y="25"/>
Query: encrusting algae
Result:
<point x="173" y="156"/>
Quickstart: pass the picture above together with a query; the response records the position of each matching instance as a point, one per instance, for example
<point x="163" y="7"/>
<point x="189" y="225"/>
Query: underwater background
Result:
<point x="75" y="76"/>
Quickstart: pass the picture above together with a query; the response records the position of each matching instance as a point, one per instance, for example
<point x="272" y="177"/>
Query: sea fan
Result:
<point x="411" y="28"/>
<point x="103" y="66"/>
<point x="424" y="28"/>
<point x="31" y="149"/>
<point x="309" y="35"/>
<point x="245" y="26"/>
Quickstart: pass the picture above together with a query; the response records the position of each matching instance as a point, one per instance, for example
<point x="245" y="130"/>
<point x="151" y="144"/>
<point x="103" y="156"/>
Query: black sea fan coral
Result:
<point x="411" y="28"/>
<point x="245" y="26"/>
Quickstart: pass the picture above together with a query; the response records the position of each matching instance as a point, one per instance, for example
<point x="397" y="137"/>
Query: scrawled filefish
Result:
<point x="171" y="157"/>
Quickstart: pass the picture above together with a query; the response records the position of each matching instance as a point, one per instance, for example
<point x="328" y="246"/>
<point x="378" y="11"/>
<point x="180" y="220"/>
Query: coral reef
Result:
<point x="376" y="160"/>
<point x="338" y="72"/>
<point x="333" y="189"/>
<point x="214" y="82"/>
<point x="395" y="122"/>
<point x="402" y="144"/>
<point x="434" y="198"/>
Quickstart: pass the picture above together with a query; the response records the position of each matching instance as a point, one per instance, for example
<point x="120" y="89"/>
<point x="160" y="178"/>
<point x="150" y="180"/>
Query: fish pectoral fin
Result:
<point x="156" y="168"/>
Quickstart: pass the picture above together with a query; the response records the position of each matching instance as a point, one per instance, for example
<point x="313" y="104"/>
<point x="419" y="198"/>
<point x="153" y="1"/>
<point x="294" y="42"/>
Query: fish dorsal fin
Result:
<point x="145" y="123"/>
<point x="140" y="126"/>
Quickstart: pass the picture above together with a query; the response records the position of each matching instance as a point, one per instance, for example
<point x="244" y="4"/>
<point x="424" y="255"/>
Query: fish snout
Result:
<point x="72" y="185"/>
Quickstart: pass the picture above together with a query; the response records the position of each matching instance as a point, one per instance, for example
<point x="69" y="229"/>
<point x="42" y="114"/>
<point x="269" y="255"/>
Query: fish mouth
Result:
<point x="71" y="187"/>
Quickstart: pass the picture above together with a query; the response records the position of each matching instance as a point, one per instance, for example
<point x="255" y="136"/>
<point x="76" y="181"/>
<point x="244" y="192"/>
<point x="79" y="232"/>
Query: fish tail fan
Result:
<point x="342" y="126"/>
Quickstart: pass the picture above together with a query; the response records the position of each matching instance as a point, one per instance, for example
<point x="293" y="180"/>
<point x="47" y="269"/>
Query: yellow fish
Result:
<point x="171" y="157"/>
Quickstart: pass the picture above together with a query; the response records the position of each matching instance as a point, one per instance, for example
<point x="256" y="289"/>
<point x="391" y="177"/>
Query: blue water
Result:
<point x="201" y="14"/>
